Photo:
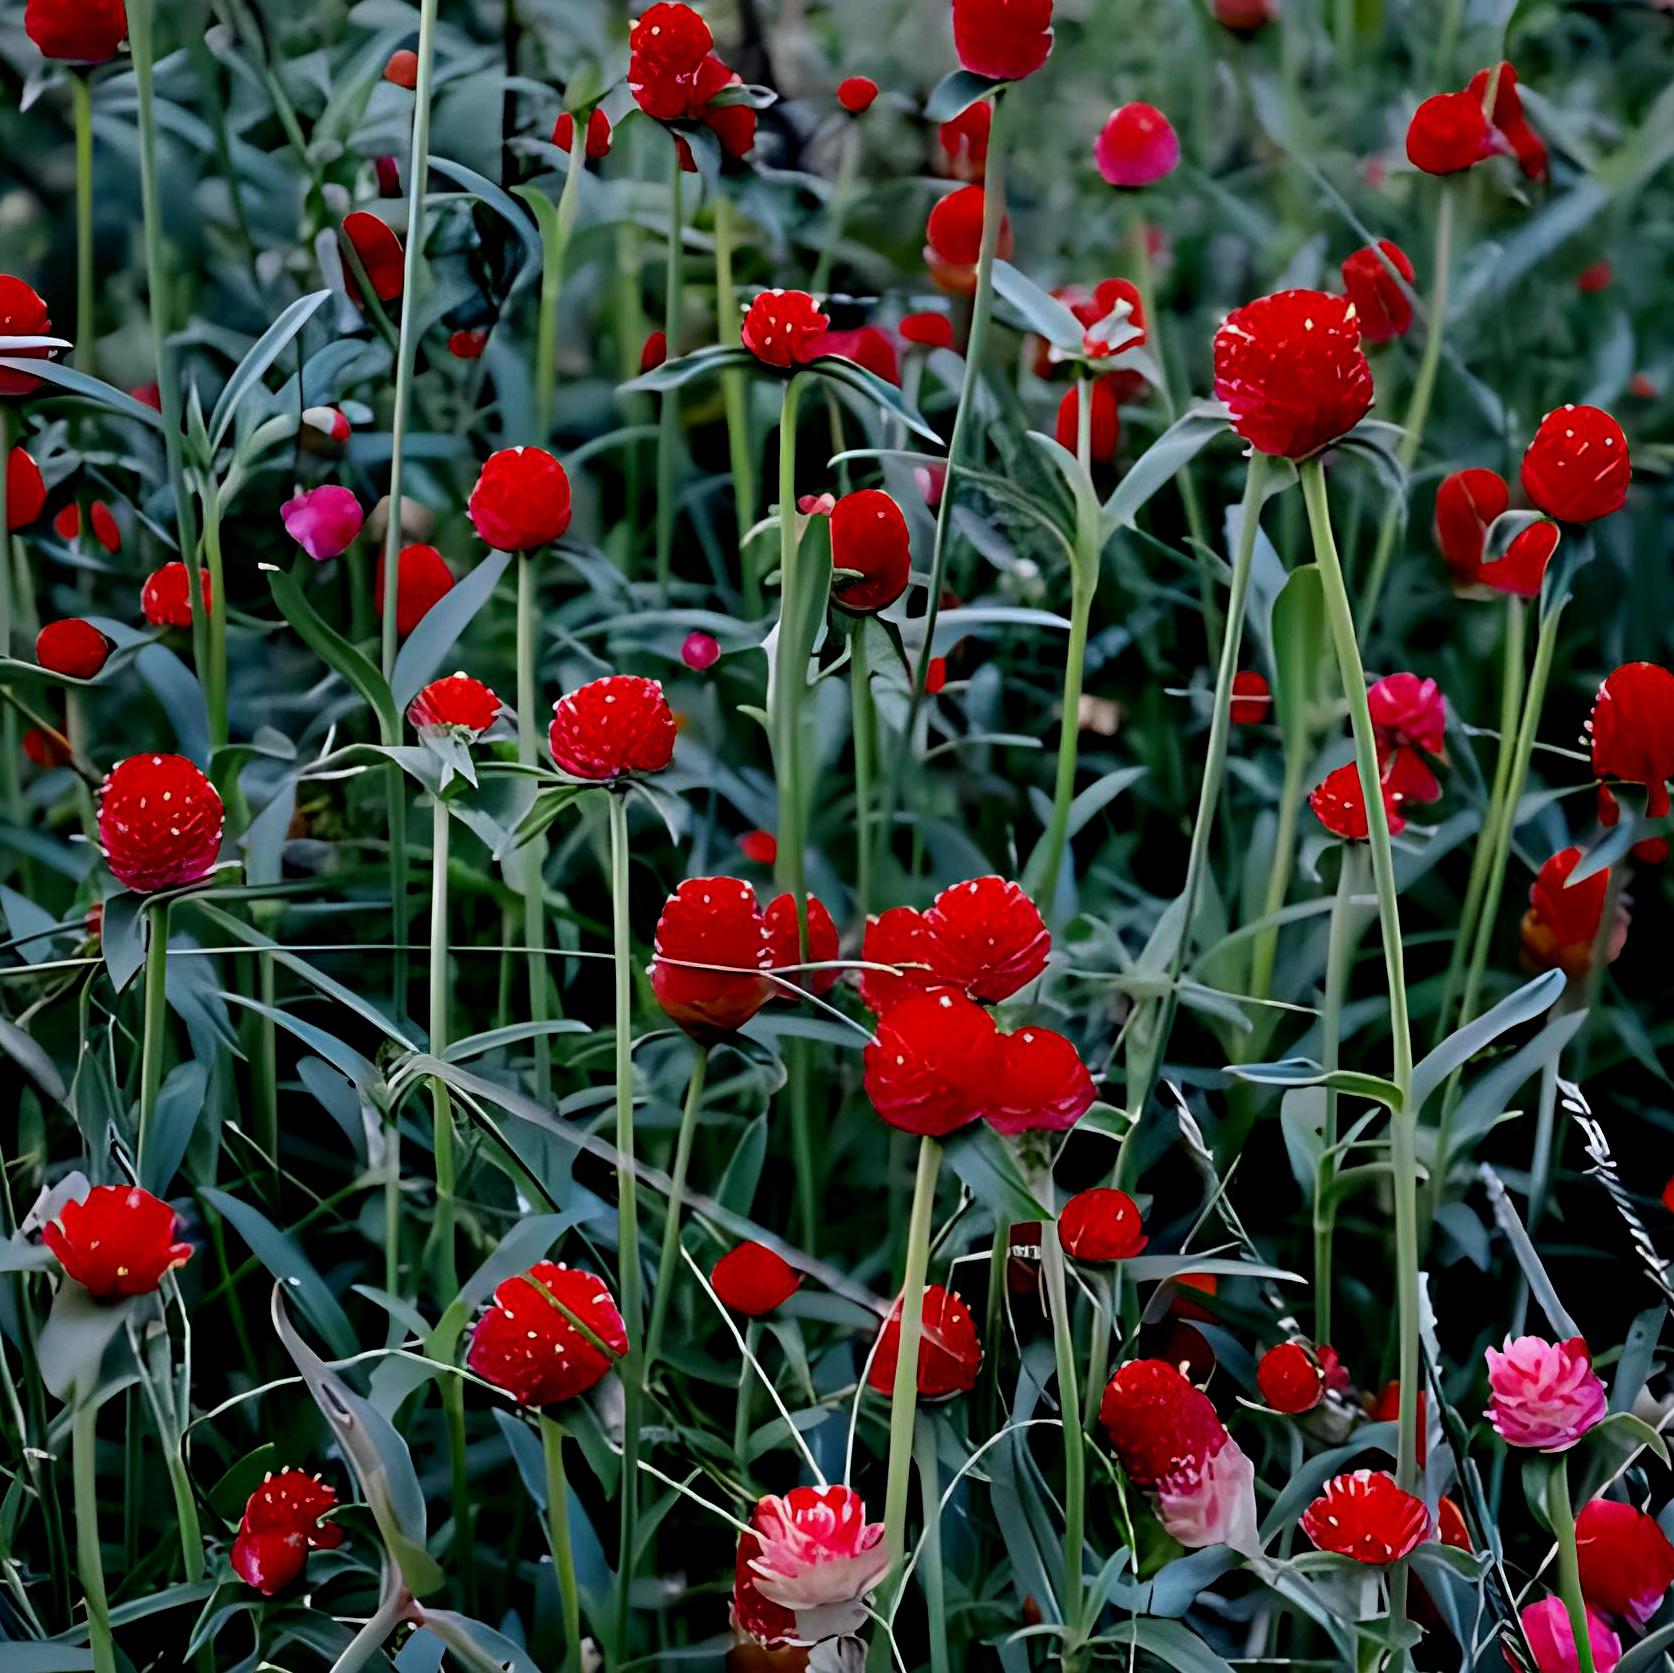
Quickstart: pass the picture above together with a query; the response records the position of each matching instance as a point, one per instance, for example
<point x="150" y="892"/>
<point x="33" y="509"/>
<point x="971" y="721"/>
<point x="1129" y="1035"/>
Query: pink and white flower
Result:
<point x="807" y="1565"/>
<point x="1542" y="1394"/>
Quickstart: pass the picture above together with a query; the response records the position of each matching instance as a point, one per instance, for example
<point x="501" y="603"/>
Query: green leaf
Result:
<point x="879" y="391"/>
<point x="253" y="367"/>
<point x="75" y="1338"/>
<point x="955" y="93"/>
<point x="1162" y="461"/>
<point x="1527" y="1003"/>
<point x="73" y="382"/>
<point x="504" y="206"/>
<point x="421" y="656"/>
<point x="336" y="652"/>
<point x="1299" y="640"/>
<point x="982" y="1159"/>
<point x="672" y="374"/>
<point x="32" y="1059"/>
<point x="1043" y="312"/>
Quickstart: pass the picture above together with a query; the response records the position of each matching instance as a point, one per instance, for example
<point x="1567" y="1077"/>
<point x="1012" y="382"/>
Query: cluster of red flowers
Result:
<point x="676" y="77"/>
<point x="1451" y="132"/>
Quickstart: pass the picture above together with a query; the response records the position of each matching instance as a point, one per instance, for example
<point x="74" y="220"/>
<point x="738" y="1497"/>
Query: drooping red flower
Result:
<point x="76" y="31"/>
<point x="1252" y="698"/>
<point x="22" y="314"/>
<point x="869" y="535"/>
<point x="953" y="239"/>
<point x="1039" y="1083"/>
<point x="963" y="140"/>
<point x="1577" y="468"/>
<point x="166" y="597"/>
<point x="458" y="703"/>
<point x="1409" y="718"/>
<point x="612" y="726"/>
<point x="804" y="1569"/>
<point x="700" y="651"/>
<point x="72" y="647"/>
<point x="1003" y="39"/>
<point x="1104" y="421"/>
<point x="1632" y="727"/>
<point x="1290" y="1379"/>
<point x="929" y="1068"/>
<point x="785" y="942"/>
<point x="927" y="329"/>
<point x="1158" y="1423"/>
<point x="1382" y="307"/>
<point x="1137" y="146"/>
<point x="282" y="1523"/>
<point x="716" y="923"/>
<point x="25" y="487"/>
<point x="1364" y="1515"/>
<point x="597" y="141"/>
<point x="402" y="68"/>
<point x="1448" y="134"/>
<point x="1467" y="503"/>
<point x="1340" y="805"/>
<point x="1101" y="1224"/>
<point x="378" y="249"/>
<point x="857" y="94"/>
<point x="667" y="47"/>
<point x="1507" y="116"/>
<point x="784" y="327"/>
<point x="1560" y="929"/>
<point x="528" y="1341"/>
<point x="949" y="1354"/>
<point x="117" y="1240"/>
<point x="521" y="500"/>
<point x="753" y="1279"/>
<point x="160" y="822"/>
<point x="1291" y="369"/>
<point x="866" y="345"/>
<point x="1627" y="1562"/>
<point x="422" y="581"/>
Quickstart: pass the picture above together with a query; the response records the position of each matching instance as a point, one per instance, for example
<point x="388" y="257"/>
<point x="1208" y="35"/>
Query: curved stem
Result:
<point x="552" y="289"/>
<point x="155" y="1024"/>
<point x="558" y="1535"/>
<point x="370" y="1639"/>
<point x="676" y="1203"/>
<point x="89" y="1560"/>
<point x="1569" y="1566"/>
<point x="1266" y="949"/>
<point x="215" y="674"/>
<point x="668" y="418"/>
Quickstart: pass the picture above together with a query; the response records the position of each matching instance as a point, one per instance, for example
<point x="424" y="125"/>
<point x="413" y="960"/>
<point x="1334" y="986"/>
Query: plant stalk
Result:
<point x="558" y="1535"/>
<point x="1569" y="1565"/>
<point x="154" y="1027"/>
<point x="668" y="415"/>
<point x="441" y="1105"/>
<point x="532" y="857"/>
<point x="676" y="1204"/>
<point x="87" y="331"/>
<point x="90" y="1566"/>
<point x="735" y="394"/>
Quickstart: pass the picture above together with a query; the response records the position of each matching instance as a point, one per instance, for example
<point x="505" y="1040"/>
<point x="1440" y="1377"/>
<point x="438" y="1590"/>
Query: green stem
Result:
<point x="1569" y="1564"/>
<point x="89" y="1561"/>
<point x="155" y="1025"/>
<point x="441" y="1108"/>
<point x="735" y="393"/>
<point x="215" y="675"/>
<point x="1339" y="961"/>
<point x="1266" y="948"/>
<point x="800" y="1094"/>
<point x="464" y="1546"/>
<point x="930" y="1491"/>
<point x="842" y="190"/>
<point x="741" y="1417"/>
<point x="87" y="330"/>
<point x="552" y="288"/>
<point x="558" y="1536"/>
<point x="1075" y="1469"/>
<point x="676" y="1203"/>
<point x="791" y="670"/>
<point x="668" y="416"/>
<point x="532" y="858"/>
<point x="864" y="721"/>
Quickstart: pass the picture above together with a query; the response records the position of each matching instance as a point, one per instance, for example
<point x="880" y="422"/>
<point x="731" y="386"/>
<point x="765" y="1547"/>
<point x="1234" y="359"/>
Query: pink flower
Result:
<point x="700" y="651"/>
<point x="323" y="521"/>
<point x="812" y="1556"/>
<point x="1212" y="1502"/>
<point x="1551" y="1637"/>
<point x="1543" y="1394"/>
<point x="1137" y="146"/>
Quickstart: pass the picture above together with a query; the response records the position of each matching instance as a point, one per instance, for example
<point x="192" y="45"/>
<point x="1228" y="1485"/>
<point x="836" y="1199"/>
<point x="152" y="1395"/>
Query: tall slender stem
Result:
<point x="84" y="1442"/>
<point x="441" y="1106"/>
<point x="791" y="670"/>
<point x="1075" y="1469"/>
<point x="215" y="674"/>
<point x="1569" y="1565"/>
<point x="863" y="720"/>
<point x="532" y="858"/>
<point x="155" y="1022"/>
<point x="552" y="289"/>
<point x="930" y="1492"/>
<point x="1266" y="950"/>
<point x="1339" y="961"/>
<point x="668" y="417"/>
<point x="87" y="328"/>
<point x="676" y="1203"/>
<point x="841" y="192"/>
<point x="735" y="394"/>
<point x="558" y="1535"/>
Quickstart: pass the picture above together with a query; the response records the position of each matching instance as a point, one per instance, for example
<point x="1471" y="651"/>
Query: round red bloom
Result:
<point x="869" y="535"/>
<point x="46" y="749"/>
<point x="118" y="1240"/>
<point x="22" y="314"/>
<point x="521" y="500"/>
<point x="76" y="31"/>
<point x="457" y="701"/>
<point x="1364" y="1515"/>
<point x="1291" y="369"/>
<point x="733" y="125"/>
<point x="1593" y="278"/>
<point x="928" y="330"/>
<point x="1252" y="698"/>
<point x="868" y="346"/>
<point x="785" y="941"/>
<point x="856" y="94"/>
<point x="1526" y="145"/>
<point x="1038" y="1083"/>
<point x="902" y="938"/>
<point x="281" y="1524"/>
<point x="1386" y="1408"/>
<point x="964" y="140"/>
<point x="953" y="239"/>
<point x="989" y="938"/>
<point x="619" y="724"/>
<point x="1092" y="311"/>
<point x="700" y="651"/>
<point x="422" y="580"/>
<point x="379" y="250"/>
<point x="1633" y="734"/>
<point x="760" y="846"/>
<point x="929" y="1068"/>
<point x="949" y="1354"/>
<point x="1547" y="1627"/>
<point x="1136" y="146"/>
<point x="1158" y="1423"/>
<point x="783" y="328"/>
<point x="753" y="1279"/>
<point x="1104" y="421"/>
<point x="1560" y="929"/>
<point x="1466" y="505"/>
<point x="160" y="822"/>
<point x="711" y="921"/>
<point x="1290" y="1379"/>
<point x="1577" y="467"/>
<point x="653" y="351"/>
<point x="72" y="647"/>
<point x="1002" y="39"/>
<point x="468" y="345"/>
<point x="1102" y="1224"/>
<point x="597" y="143"/>
<point x="1409" y="718"/>
<point x="25" y="487"/>
<point x="1627" y="1562"/>
<point x="1244" y="17"/>
<point x="1382" y="307"/>
<point x="166" y="597"/>
<point x="667" y="47"/>
<point x="1448" y="134"/>
<point x="528" y="1344"/>
<point x="804" y="1566"/>
<point x="402" y="68"/>
<point x="1341" y="807"/>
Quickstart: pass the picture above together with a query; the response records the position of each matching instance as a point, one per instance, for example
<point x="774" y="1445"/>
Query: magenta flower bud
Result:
<point x="1547" y="1627"/>
<point x="1136" y="147"/>
<point x="700" y="651"/>
<point x="323" y="521"/>
<point x="1543" y="1395"/>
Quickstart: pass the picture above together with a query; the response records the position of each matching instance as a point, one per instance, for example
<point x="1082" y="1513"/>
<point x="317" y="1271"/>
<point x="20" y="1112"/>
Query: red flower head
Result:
<point x="1594" y="277"/>
<point x="606" y="728"/>
<point x="1507" y="115"/>
<point x="46" y="749"/>
<point x="1039" y="1083"/>
<point x="1364" y="1515"/>
<point x="1108" y="296"/>
<point x="653" y="351"/>
<point x="468" y="345"/>
<point x="1158" y="1423"/>
<point x="785" y="942"/>
<point x="22" y="314"/>
<point x="76" y="31"/>
<point x="166" y="597"/>
<point x="118" y="1240"/>
<point x="521" y="500"/>
<point x="1136" y="146"/>
<point x="902" y="938"/>
<point x="67" y="525"/>
<point x="1104" y="426"/>
<point x="752" y="1279"/>
<point x="928" y="330"/>
<point x="379" y="251"/>
<point x="869" y="535"/>
<point x="597" y="142"/>
<point x="1560" y="929"/>
<point x="282" y="1523"/>
<point x="1633" y="735"/>
<point x="1466" y="505"/>
<point x="990" y="938"/>
<point x="1291" y="369"/>
<point x="1577" y="467"/>
<point x="953" y="239"/>
<point x="1627" y="1563"/>
<point x="761" y="847"/>
<point x="1290" y="1379"/>
<point x="324" y="522"/>
<point x="1382" y="307"/>
<point x="667" y="47"/>
<point x="456" y="703"/>
<point x="856" y="94"/>
<point x="700" y="651"/>
<point x="784" y="328"/>
<point x="935" y="676"/>
<point x="1547" y="1627"/>
<point x="929" y="1069"/>
<point x="713" y="922"/>
<point x="1450" y="1525"/>
<point x="949" y="1354"/>
<point x="72" y="647"/>
<point x="25" y="486"/>
<point x="1448" y="134"/>
<point x="1005" y="40"/>
<point x="1409" y="717"/>
<point x="528" y="1342"/>
<point x="1341" y="807"/>
<point x="422" y="580"/>
<point x="733" y="125"/>
<point x="1244" y="17"/>
<point x="1102" y="1224"/>
<point x="867" y="345"/>
<point x="1252" y="698"/>
<point x="402" y="68"/>
<point x="160" y="822"/>
<point x="964" y="141"/>
<point x="803" y="1571"/>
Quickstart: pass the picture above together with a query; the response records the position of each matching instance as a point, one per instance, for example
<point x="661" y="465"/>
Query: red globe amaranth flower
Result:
<point x="1110" y="296"/>
<point x="1382" y="307"/>
<point x="1291" y="370"/>
<point x="1038" y="1083"/>
<point x="1593" y="278"/>
<point x="22" y="314"/>
<point x="25" y="488"/>
<point x="76" y="31"/>
<point x="734" y="126"/>
<point x="1252" y="698"/>
<point x="1137" y="146"/>
<point x="1157" y="1422"/>
<point x="1104" y="421"/>
<point x="1409" y="719"/>
<point x="753" y="1279"/>
<point x="118" y="1240"/>
<point x="1450" y="1525"/>
<point x="868" y="346"/>
<point x="1546" y="1625"/>
<point x="929" y="1068"/>
<point x="667" y="47"/>
<point x="619" y="724"/>
<point x="1632" y="727"/>
<point x="324" y="430"/>
<point x="166" y="597"/>
<point x="468" y="345"/>
<point x="964" y="141"/>
<point x="68" y="523"/>
<point x="1005" y="40"/>
<point x="160" y="822"/>
<point x="378" y="249"/>
<point x="953" y="239"/>
<point x="1627" y="1562"/>
<point x="282" y="1523"/>
<point x="1101" y="1224"/>
<point x="1290" y="1379"/>
<point x="325" y="522"/>
<point x="1507" y="116"/>
<point x="869" y="535"/>
<point x="597" y="142"/>
<point x="1466" y="505"/>
<point x="1577" y="467"/>
<point x="700" y="651"/>
<point x="1364" y="1515"/>
<point x="1560" y="929"/>
<point x="898" y="937"/>
<point x="856" y="94"/>
<point x="402" y="68"/>
<point x="784" y="942"/>
<point x="46" y="749"/>
<point x="422" y="581"/>
<point x="1448" y="134"/>
<point x="762" y="847"/>
<point x="457" y="703"/>
<point x="1340" y="805"/>
<point x="716" y="923"/>
<point x="388" y="175"/>
<point x="72" y="647"/>
<point x="805" y="1566"/>
<point x="527" y="1343"/>
<point x="653" y="351"/>
<point x="521" y="500"/>
<point x="949" y="1354"/>
<point x="784" y="327"/>
<point x="1244" y="17"/>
